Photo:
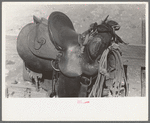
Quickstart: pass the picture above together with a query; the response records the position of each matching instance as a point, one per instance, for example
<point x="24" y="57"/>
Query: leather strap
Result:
<point x="85" y="83"/>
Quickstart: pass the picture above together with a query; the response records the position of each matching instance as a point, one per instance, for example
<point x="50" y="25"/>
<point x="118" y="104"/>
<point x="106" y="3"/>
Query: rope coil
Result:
<point x="102" y="70"/>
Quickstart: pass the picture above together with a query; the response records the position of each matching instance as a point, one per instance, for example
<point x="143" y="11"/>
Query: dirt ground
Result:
<point x="18" y="15"/>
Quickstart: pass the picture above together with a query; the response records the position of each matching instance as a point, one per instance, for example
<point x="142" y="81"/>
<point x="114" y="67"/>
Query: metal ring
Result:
<point x="54" y="67"/>
<point x="87" y="84"/>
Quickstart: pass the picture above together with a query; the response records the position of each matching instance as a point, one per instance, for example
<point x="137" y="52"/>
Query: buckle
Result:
<point x="86" y="81"/>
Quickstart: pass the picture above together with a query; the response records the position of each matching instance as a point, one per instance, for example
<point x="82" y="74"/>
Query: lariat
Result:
<point x="97" y="88"/>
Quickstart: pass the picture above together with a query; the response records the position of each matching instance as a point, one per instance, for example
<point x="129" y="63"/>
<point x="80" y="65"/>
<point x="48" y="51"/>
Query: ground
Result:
<point x="18" y="15"/>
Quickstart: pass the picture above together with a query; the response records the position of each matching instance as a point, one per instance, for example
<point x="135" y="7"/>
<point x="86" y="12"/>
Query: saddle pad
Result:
<point x="39" y="42"/>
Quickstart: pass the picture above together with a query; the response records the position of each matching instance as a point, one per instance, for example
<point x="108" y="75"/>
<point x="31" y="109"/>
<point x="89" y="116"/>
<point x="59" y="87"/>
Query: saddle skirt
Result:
<point x="38" y="39"/>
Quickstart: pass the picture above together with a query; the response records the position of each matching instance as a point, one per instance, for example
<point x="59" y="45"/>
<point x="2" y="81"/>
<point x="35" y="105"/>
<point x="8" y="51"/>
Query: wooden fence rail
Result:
<point x="135" y="55"/>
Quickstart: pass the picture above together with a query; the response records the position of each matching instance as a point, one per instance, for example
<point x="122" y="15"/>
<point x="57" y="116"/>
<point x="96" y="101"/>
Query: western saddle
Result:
<point x="75" y="54"/>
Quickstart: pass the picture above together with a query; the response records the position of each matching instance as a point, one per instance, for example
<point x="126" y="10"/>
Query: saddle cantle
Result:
<point x="65" y="39"/>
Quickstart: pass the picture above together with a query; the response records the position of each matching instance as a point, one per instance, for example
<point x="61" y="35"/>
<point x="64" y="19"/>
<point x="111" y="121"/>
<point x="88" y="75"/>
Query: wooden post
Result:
<point x="125" y="71"/>
<point x="6" y="92"/>
<point x="143" y="31"/>
<point x="143" y="91"/>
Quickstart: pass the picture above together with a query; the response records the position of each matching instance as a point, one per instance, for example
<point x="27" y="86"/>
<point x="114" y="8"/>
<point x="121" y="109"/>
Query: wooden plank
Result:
<point x="133" y="54"/>
<point x="143" y="31"/>
<point x="21" y="86"/>
<point x="143" y="84"/>
<point x="133" y="62"/>
<point x="21" y="90"/>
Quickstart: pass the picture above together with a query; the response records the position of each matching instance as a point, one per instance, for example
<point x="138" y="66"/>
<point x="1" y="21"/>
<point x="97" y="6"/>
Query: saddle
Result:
<point x="56" y="40"/>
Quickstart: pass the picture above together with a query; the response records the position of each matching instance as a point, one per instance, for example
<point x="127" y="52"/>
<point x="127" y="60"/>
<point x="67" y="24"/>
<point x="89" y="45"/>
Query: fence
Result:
<point x="135" y="55"/>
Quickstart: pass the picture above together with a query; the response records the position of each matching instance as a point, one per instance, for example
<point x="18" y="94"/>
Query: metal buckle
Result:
<point x="85" y="80"/>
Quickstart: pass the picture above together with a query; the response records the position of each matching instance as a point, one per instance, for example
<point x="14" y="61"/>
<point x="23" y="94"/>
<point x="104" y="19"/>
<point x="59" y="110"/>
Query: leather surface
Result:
<point x="39" y="42"/>
<point x="33" y="62"/>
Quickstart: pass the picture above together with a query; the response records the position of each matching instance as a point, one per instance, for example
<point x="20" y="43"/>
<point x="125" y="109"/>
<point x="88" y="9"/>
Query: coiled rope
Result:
<point x="102" y="70"/>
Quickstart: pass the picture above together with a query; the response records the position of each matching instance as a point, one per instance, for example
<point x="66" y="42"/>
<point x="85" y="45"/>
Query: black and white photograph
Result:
<point x="62" y="55"/>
